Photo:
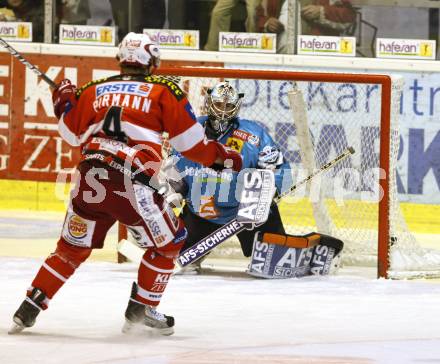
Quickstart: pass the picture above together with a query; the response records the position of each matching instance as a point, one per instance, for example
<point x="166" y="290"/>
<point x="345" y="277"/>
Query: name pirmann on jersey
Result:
<point x="134" y="102"/>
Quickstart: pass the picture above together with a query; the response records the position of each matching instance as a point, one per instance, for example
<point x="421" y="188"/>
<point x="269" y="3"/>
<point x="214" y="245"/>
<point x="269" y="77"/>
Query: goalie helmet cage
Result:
<point x="313" y="117"/>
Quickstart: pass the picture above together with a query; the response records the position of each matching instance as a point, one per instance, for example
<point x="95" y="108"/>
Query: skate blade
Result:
<point x="16" y="328"/>
<point x="131" y="328"/>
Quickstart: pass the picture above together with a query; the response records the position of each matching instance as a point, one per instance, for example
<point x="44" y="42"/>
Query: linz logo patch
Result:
<point x="254" y="140"/>
<point x="246" y="137"/>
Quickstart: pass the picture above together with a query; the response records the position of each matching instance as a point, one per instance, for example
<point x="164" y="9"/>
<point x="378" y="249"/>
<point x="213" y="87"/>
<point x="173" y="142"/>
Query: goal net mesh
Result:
<point x="313" y="122"/>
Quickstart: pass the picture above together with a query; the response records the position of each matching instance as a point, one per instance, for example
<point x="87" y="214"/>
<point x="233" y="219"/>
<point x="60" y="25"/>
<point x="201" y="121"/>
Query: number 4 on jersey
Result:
<point x="112" y="124"/>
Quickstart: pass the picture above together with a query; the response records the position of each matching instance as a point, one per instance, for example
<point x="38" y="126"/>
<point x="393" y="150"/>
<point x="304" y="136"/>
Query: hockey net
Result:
<point x="313" y="117"/>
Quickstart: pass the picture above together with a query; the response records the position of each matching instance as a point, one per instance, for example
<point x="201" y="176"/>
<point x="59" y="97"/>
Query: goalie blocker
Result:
<point x="289" y="256"/>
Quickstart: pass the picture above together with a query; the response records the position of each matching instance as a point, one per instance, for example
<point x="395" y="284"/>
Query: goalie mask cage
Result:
<point x="313" y="117"/>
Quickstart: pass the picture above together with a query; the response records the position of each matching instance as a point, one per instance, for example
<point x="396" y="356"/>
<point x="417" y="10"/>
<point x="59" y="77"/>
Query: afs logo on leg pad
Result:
<point x="77" y="230"/>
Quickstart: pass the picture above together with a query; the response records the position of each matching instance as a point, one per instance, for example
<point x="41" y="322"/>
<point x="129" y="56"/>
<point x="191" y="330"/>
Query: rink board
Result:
<point x="29" y="203"/>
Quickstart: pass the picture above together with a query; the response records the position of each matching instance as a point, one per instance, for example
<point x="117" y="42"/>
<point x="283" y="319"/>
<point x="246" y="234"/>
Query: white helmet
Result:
<point x="222" y="104"/>
<point x="138" y="50"/>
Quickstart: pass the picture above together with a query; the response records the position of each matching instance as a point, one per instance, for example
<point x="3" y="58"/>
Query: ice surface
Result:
<point x="226" y="319"/>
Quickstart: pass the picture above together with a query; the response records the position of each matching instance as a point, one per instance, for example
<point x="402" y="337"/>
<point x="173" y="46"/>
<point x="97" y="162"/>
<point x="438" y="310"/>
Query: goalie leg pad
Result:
<point x="321" y="260"/>
<point x="326" y="256"/>
<point x="288" y="256"/>
<point x="276" y="261"/>
<point x="293" y="241"/>
<point x="332" y="242"/>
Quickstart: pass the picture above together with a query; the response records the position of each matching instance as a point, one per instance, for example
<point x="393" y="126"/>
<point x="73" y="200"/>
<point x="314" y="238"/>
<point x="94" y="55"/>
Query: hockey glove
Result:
<point x="270" y="158"/>
<point x="63" y="97"/>
<point x="228" y="158"/>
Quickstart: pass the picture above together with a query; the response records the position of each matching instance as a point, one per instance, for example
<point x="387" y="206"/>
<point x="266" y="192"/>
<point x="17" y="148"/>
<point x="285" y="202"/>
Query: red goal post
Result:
<point x="377" y="94"/>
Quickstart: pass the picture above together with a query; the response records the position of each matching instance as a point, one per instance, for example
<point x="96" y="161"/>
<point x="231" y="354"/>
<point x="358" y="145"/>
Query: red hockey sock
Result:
<point x="58" y="267"/>
<point x="153" y="275"/>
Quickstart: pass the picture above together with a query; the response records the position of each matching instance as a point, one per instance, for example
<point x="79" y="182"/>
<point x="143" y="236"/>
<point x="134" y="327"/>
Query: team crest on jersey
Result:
<point x="235" y="144"/>
<point x="254" y="140"/>
<point x="246" y="137"/>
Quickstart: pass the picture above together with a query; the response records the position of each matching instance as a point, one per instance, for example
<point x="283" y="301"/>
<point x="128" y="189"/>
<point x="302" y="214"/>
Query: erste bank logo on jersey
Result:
<point x="131" y="88"/>
<point x="246" y="137"/>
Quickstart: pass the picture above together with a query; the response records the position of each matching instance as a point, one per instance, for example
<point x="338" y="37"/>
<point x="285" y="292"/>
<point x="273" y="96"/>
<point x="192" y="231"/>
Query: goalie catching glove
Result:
<point x="63" y="97"/>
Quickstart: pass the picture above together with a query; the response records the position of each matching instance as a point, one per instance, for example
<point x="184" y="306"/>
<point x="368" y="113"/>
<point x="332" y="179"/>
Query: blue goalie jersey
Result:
<point x="213" y="195"/>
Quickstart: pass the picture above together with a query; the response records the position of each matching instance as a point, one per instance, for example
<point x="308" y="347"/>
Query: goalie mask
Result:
<point x="138" y="50"/>
<point x="222" y="104"/>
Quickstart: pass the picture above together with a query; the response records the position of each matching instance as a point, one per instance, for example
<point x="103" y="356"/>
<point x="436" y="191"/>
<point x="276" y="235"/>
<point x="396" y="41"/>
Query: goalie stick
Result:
<point x="233" y="227"/>
<point x="29" y="65"/>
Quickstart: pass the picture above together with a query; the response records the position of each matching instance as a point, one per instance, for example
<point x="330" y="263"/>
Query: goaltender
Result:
<point x="211" y="200"/>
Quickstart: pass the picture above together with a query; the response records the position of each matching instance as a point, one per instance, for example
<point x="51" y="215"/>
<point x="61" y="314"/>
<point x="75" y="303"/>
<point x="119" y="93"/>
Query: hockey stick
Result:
<point x="29" y="65"/>
<point x="233" y="227"/>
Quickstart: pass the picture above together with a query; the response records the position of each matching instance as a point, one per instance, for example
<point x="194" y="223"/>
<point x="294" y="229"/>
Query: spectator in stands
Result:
<point x="221" y="20"/>
<point x="319" y="17"/>
<point x="145" y="14"/>
<point x="26" y="11"/>
<point x="85" y="12"/>
<point x="100" y="13"/>
<point x="73" y="11"/>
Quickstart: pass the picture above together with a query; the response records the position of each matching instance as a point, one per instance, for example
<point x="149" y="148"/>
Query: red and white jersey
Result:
<point x="120" y="112"/>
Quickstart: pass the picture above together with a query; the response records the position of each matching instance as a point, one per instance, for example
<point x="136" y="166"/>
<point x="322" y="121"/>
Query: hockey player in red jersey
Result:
<point x="118" y="123"/>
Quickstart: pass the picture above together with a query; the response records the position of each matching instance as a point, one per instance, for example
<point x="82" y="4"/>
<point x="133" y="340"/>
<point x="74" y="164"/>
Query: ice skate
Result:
<point x="138" y="314"/>
<point x="28" y="311"/>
